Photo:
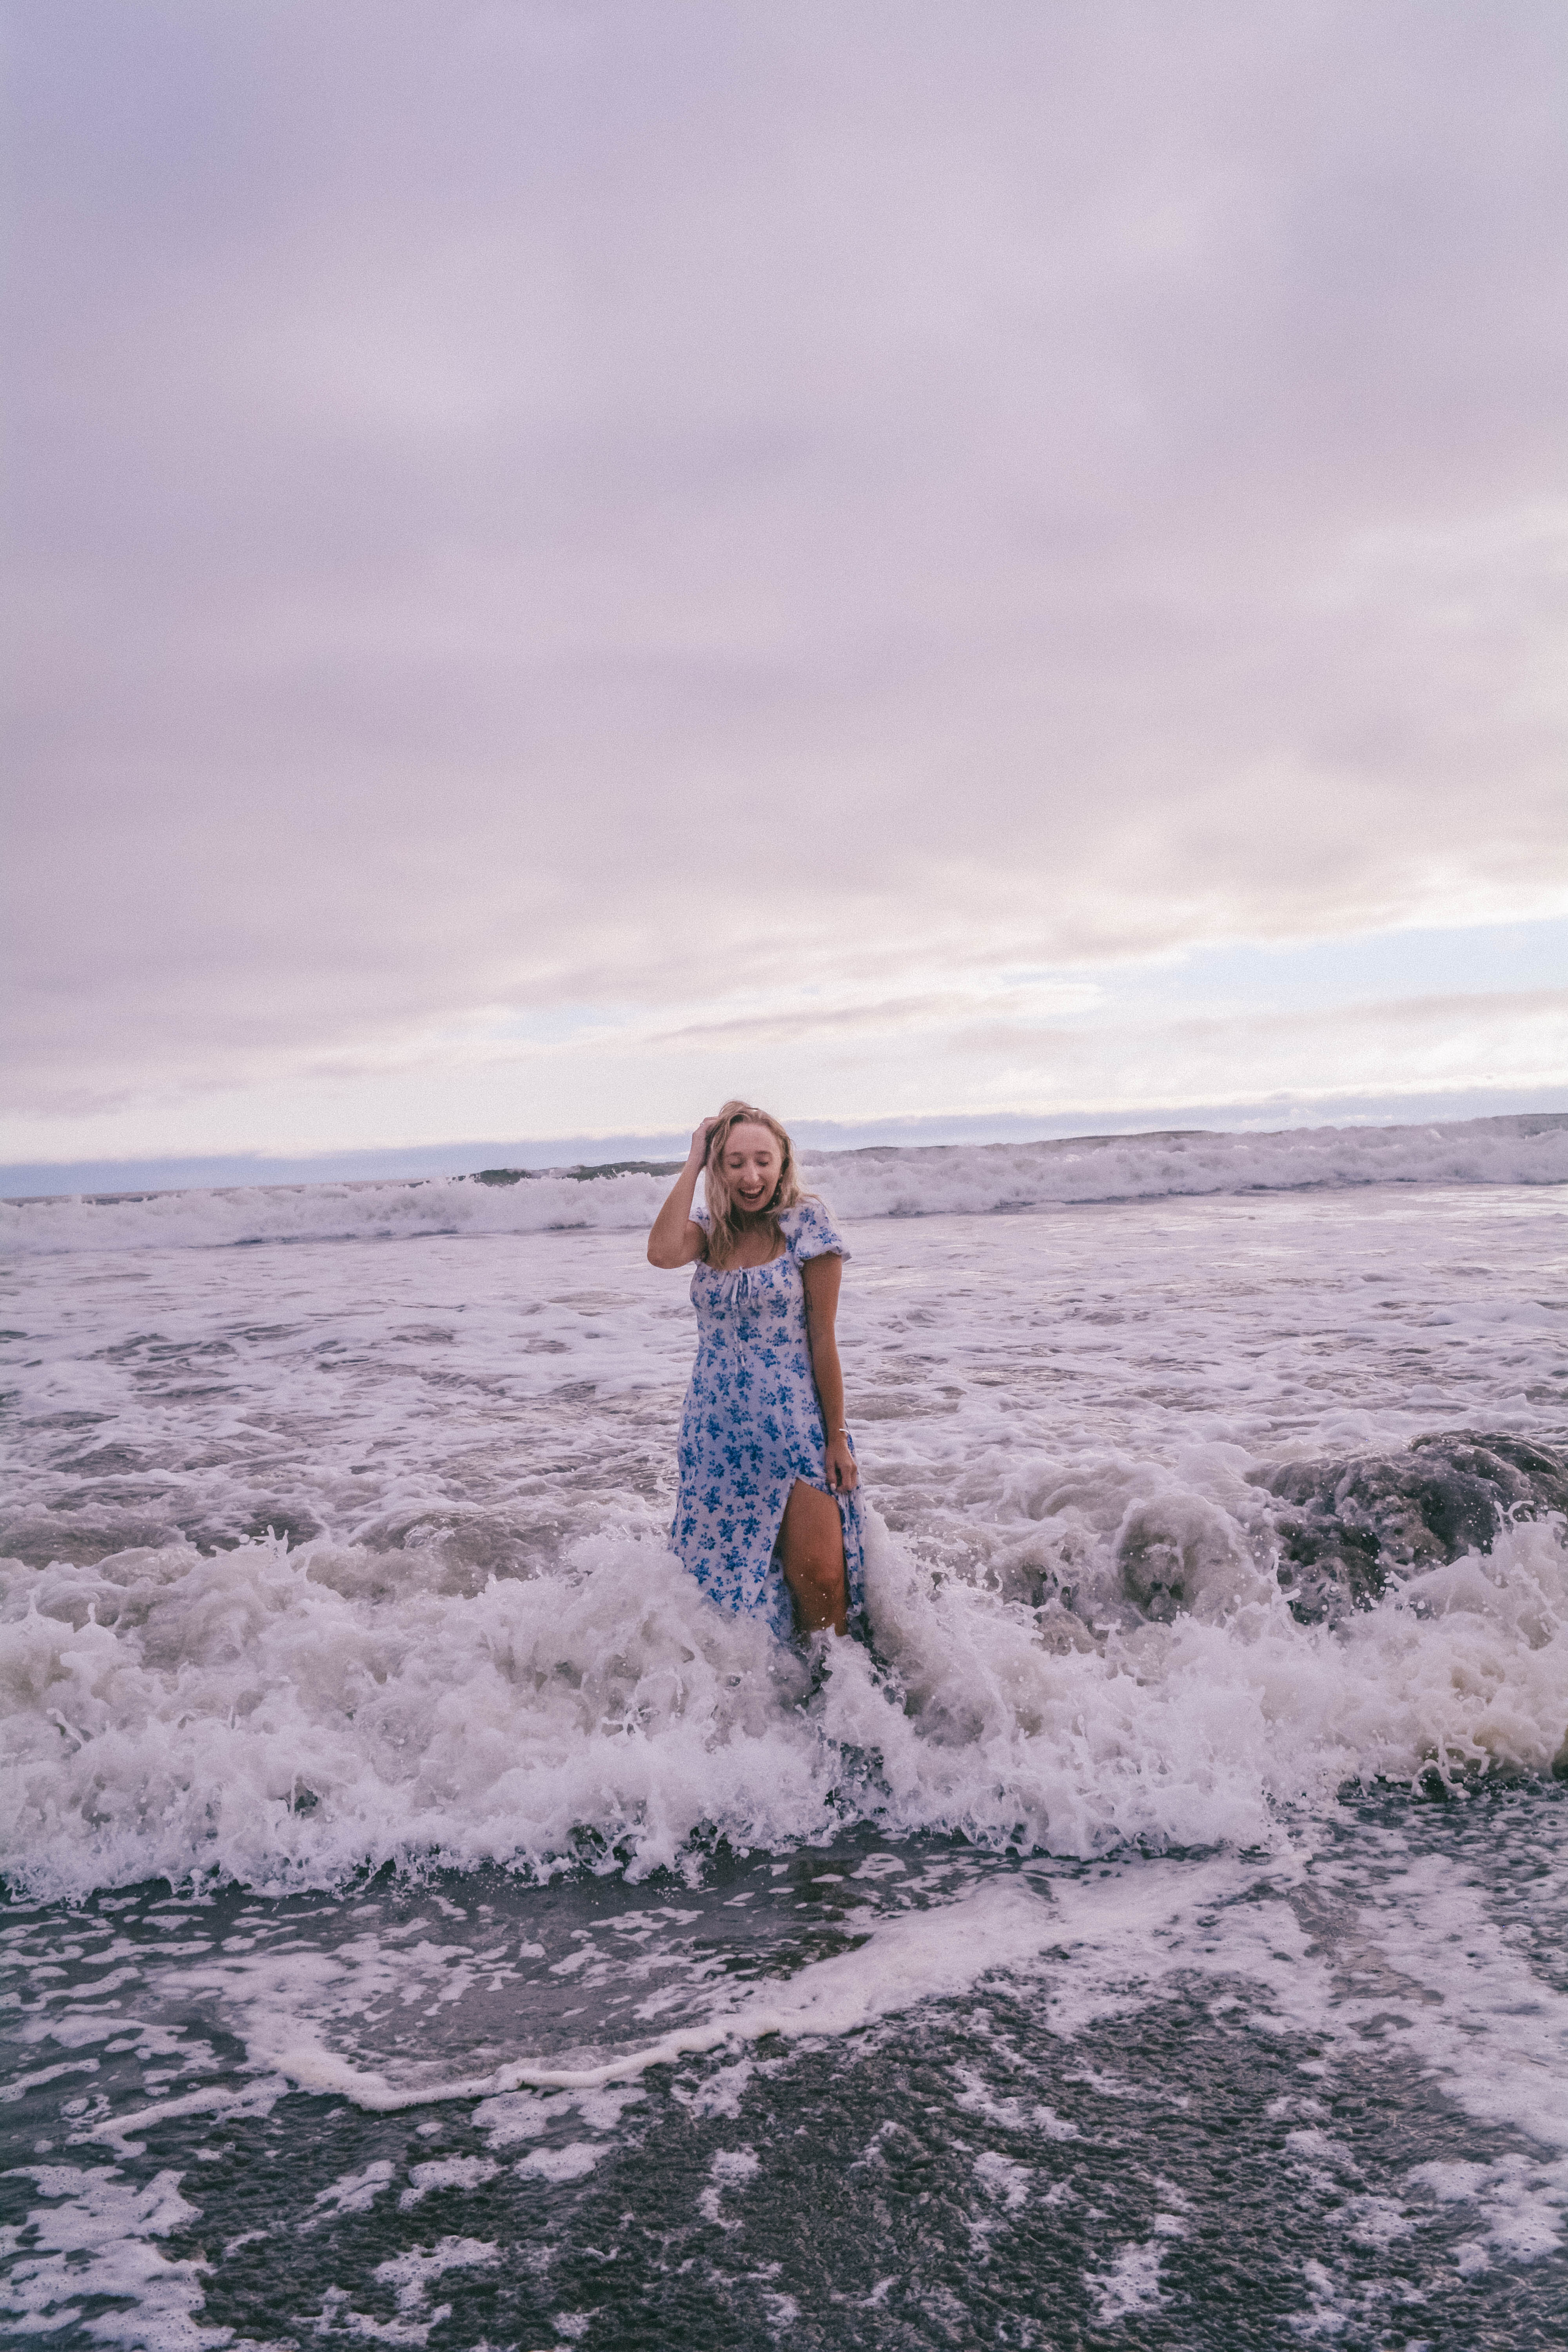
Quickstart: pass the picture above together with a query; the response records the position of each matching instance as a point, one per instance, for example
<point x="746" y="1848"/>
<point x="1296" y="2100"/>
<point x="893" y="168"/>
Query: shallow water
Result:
<point x="1108" y="1956"/>
<point x="1175" y="2101"/>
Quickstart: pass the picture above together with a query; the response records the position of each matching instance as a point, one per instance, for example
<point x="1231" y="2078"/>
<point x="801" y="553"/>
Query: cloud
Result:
<point x="1518" y="1039"/>
<point x="533" y="512"/>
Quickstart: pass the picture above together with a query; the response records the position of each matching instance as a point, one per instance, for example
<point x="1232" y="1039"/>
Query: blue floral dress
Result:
<point x="752" y="1425"/>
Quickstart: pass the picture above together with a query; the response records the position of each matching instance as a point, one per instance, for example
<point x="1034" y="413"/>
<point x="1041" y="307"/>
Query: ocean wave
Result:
<point x="881" y="1181"/>
<point x="1180" y="1520"/>
<point x="283" y="1720"/>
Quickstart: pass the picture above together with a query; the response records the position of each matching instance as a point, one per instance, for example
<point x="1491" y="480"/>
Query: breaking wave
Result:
<point x="290" y="1718"/>
<point x="881" y="1181"/>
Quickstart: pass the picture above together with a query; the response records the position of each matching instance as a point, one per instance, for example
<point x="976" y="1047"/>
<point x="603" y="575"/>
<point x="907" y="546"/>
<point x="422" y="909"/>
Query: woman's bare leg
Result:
<point x="811" y="1541"/>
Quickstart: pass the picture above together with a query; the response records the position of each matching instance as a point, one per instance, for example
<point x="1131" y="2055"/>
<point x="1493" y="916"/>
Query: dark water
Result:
<point x="1261" y="2109"/>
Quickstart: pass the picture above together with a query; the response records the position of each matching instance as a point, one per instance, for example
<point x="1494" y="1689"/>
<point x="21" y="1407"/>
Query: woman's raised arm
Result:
<point x="676" y="1238"/>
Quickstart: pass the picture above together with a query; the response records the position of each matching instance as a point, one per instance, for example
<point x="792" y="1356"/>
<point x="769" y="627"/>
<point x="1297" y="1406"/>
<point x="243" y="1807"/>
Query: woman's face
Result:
<point x="751" y="1163"/>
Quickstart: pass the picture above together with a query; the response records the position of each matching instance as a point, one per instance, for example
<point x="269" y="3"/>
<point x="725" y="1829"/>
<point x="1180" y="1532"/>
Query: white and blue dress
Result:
<point x="752" y="1425"/>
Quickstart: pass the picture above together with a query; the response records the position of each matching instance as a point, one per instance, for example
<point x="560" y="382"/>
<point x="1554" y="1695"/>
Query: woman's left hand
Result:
<point x="843" y="1476"/>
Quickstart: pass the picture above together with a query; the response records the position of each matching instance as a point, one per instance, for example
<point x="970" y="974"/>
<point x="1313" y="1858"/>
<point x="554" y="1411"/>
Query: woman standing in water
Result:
<point x="767" y="1509"/>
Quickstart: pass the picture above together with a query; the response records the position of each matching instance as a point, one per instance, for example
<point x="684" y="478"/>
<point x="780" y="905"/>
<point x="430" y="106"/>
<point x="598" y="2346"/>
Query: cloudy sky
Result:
<point x="906" y="560"/>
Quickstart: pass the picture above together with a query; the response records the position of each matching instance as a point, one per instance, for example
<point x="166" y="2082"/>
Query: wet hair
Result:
<point x="726" y="1223"/>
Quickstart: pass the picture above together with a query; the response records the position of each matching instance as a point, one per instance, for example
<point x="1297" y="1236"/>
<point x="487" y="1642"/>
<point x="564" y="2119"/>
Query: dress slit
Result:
<point x="843" y="1502"/>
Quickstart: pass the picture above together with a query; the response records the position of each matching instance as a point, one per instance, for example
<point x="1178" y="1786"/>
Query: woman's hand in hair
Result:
<point x="676" y="1238"/>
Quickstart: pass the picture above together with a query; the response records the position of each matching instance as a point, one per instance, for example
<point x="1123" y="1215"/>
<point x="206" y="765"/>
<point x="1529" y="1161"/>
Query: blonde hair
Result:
<point x="726" y="1223"/>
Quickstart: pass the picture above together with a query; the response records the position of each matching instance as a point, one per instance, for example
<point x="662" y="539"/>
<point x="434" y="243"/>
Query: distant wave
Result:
<point x="975" y="1179"/>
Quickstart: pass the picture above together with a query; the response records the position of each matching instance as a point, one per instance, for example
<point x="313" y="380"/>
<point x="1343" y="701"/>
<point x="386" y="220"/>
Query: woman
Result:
<point x="767" y="1510"/>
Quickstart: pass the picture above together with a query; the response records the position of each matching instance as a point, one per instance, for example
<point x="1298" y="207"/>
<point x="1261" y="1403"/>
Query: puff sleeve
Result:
<point x="811" y="1233"/>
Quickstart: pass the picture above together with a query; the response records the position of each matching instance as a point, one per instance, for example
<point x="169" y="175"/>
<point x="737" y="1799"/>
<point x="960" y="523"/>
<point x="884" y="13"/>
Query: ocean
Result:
<point x="429" y="1922"/>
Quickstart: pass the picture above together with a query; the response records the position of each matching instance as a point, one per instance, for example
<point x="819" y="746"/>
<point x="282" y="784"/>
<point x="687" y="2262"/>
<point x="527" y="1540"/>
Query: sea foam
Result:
<point x="240" y="1716"/>
<point x="1165" y="1541"/>
<point x="882" y="1181"/>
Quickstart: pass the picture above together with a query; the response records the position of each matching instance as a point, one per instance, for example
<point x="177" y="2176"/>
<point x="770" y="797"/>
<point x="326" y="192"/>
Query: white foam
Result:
<point x="905" y="1961"/>
<point x="1100" y="1948"/>
<point x="615" y="1700"/>
<point x="1497" y="2033"/>
<point x="353" y="2192"/>
<point x="97" y="2236"/>
<point x="730" y="2168"/>
<point x="465" y="2172"/>
<point x="573" y="2162"/>
<point x="972" y="1179"/>
<point x="411" y="2277"/>
<point x="1130" y="2283"/>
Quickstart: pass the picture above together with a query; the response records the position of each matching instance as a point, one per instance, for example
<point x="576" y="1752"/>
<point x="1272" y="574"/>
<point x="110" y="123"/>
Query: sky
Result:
<point x="912" y="563"/>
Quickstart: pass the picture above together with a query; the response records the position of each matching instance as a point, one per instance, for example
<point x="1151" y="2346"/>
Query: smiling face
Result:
<point x="751" y="1163"/>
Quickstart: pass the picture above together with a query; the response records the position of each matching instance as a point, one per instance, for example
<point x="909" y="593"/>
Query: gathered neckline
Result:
<point x="723" y="1273"/>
